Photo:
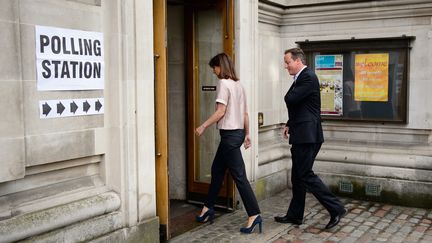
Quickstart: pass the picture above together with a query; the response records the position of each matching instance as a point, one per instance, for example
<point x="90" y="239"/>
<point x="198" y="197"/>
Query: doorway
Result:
<point x="195" y="32"/>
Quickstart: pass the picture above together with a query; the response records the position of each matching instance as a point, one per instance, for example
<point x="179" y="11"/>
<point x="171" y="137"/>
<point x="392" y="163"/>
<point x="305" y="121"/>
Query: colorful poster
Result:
<point x="371" y="77"/>
<point x="329" y="69"/>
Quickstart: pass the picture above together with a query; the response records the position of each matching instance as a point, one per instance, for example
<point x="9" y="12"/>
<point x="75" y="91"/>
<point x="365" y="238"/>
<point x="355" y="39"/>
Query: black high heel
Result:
<point x="258" y="221"/>
<point x="207" y="216"/>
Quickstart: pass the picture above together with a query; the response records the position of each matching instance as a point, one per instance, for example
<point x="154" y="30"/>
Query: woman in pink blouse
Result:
<point x="232" y="121"/>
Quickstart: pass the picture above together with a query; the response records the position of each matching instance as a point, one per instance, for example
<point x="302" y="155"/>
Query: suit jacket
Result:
<point x="304" y="109"/>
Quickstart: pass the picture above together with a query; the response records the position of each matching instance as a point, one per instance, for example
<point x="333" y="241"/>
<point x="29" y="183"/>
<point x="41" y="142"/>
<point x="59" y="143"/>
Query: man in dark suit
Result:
<point x="306" y="136"/>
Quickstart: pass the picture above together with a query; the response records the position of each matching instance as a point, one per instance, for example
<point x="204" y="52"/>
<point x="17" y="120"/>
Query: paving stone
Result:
<point x="387" y="207"/>
<point x="369" y="223"/>
<point x="306" y="236"/>
<point x="380" y="213"/>
<point x="405" y="229"/>
<point x="396" y="210"/>
<point x="364" y="228"/>
<point x="334" y="239"/>
<point x="420" y="229"/>
<point x="313" y="230"/>
<point x="381" y="225"/>
<point x="427" y="238"/>
<point x="420" y="212"/>
<point x="426" y="221"/>
<point x="366" y="214"/>
<point x="354" y="223"/>
<point x="373" y="209"/>
<point x="347" y="229"/>
<point x="359" y="219"/>
<point x="367" y="237"/>
<point x="414" y="220"/>
<point x="391" y="229"/>
<point x="374" y="219"/>
<point x="382" y="239"/>
<point x="281" y="240"/>
<point x="297" y="241"/>
<point x="395" y="239"/>
<point x="390" y="216"/>
<point x="411" y="239"/>
<point x="325" y="234"/>
<point x="356" y="211"/>
<point x="408" y="211"/>
<point x="357" y="233"/>
<point x="349" y="240"/>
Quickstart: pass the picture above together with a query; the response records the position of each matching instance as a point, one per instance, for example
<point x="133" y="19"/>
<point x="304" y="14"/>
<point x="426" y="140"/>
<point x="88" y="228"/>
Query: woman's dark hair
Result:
<point x="227" y="70"/>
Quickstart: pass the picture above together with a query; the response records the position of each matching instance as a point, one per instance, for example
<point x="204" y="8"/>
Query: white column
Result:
<point x="246" y="51"/>
<point x="129" y="99"/>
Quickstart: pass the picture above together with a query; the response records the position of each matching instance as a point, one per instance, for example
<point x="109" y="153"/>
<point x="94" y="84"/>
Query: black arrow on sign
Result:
<point x="98" y="105"/>
<point x="73" y="107"/>
<point x="60" y="108"/>
<point x="86" y="106"/>
<point x="46" y="109"/>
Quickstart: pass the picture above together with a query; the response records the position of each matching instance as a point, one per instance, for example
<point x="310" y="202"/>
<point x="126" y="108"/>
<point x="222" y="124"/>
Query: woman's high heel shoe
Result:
<point x="207" y="216"/>
<point x="258" y="221"/>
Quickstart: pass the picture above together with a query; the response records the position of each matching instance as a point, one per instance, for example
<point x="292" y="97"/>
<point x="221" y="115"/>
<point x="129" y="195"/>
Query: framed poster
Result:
<point x="329" y="69"/>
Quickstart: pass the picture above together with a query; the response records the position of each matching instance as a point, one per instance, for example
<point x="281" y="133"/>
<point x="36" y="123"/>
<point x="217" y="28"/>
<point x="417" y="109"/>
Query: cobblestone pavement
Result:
<point x="364" y="222"/>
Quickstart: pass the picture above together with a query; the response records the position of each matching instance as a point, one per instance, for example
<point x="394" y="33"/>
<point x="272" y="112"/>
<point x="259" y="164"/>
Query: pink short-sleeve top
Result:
<point x="231" y="93"/>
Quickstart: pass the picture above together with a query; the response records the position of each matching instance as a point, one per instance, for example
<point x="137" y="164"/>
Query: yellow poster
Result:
<point x="371" y="77"/>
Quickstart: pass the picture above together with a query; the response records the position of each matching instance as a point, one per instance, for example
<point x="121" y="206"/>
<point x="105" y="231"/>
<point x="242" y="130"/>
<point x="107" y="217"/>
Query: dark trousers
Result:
<point x="228" y="156"/>
<point x="303" y="178"/>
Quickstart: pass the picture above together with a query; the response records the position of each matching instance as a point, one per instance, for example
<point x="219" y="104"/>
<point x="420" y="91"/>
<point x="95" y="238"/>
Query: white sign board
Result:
<point x="68" y="59"/>
<point x="70" y="107"/>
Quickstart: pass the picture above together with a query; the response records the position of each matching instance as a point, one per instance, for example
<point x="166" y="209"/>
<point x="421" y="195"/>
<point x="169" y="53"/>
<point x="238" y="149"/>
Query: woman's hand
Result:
<point x="247" y="142"/>
<point x="285" y="132"/>
<point x="199" y="130"/>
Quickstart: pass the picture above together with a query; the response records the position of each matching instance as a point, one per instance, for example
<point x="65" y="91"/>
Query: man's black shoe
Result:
<point x="286" y="220"/>
<point x="334" y="220"/>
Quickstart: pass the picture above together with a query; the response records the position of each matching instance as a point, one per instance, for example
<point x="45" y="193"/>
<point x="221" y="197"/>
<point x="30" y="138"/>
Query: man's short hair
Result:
<point x="297" y="53"/>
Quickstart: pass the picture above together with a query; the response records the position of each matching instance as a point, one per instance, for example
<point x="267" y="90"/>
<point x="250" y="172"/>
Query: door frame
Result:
<point x="161" y="115"/>
<point x="161" y="104"/>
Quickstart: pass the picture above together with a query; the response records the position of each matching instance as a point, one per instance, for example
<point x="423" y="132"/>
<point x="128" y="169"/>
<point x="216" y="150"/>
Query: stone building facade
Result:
<point x="105" y="176"/>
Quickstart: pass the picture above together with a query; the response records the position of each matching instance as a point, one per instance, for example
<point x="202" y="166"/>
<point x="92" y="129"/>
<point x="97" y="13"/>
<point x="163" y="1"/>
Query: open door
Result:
<point x="209" y="30"/>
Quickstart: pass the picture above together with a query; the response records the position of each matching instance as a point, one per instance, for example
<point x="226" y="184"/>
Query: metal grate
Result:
<point x="345" y="186"/>
<point x="373" y="190"/>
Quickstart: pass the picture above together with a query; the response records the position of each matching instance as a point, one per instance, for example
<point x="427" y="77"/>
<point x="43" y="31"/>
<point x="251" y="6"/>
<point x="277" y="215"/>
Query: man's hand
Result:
<point x="199" y="130"/>
<point x="247" y="142"/>
<point x="285" y="132"/>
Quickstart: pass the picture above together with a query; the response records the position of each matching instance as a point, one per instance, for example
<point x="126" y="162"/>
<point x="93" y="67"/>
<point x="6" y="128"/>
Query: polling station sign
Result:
<point x="68" y="59"/>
